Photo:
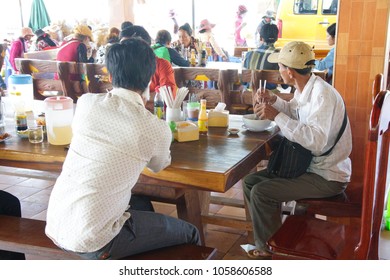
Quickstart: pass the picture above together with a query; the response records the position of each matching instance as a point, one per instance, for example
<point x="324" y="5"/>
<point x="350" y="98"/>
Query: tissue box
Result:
<point x="186" y="131"/>
<point x="218" y="118"/>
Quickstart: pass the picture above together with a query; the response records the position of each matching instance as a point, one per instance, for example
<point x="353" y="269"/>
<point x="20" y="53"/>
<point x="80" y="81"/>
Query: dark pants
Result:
<point x="10" y="205"/>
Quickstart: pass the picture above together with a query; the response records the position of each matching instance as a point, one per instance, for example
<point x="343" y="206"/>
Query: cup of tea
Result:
<point x="35" y="134"/>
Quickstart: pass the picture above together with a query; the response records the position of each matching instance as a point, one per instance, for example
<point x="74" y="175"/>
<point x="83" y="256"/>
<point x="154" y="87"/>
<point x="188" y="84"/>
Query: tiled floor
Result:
<point x="33" y="189"/>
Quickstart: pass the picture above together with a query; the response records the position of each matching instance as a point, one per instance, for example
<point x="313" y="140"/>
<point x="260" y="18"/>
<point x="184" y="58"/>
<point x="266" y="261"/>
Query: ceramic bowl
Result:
<point x="233" y="131"/>
<point x="253" y="124"/>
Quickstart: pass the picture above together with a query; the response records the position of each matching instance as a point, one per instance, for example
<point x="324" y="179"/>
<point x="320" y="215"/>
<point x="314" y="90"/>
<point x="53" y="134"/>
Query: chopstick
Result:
<point x="170" y="100"/>
<point x="260" y="87"/>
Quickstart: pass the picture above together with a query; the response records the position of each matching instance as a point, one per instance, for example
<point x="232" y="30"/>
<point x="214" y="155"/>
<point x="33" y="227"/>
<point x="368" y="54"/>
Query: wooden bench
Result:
<point x="28" y="236"/>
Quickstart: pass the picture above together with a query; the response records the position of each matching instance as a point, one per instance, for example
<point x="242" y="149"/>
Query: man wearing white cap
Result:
<point x="313" y="118"/>
<point x="20" y="45"/>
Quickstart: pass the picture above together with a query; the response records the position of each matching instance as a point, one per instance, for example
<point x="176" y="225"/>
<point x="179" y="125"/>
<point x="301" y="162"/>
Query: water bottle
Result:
<point x="158" y="105"/>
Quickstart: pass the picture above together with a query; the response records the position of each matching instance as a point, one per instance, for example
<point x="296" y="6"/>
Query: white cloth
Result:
<point x="321" y="113"/>
<point x="114" y="138"/>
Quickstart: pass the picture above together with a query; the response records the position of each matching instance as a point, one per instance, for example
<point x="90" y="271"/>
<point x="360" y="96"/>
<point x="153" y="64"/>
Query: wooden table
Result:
<point x="214" y="163"/>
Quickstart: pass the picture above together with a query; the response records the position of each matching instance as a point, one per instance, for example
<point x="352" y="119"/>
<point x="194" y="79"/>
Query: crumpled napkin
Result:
<point x="247" y="247"/>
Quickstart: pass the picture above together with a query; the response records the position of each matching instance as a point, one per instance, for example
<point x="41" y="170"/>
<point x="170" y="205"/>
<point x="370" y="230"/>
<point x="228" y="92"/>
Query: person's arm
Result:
<point x="162" y="153"/>
<point x="177" y="59"/>
<point x="327" y="62"/>
<point x="216" y="47"/>
<point x="16" y="51"/>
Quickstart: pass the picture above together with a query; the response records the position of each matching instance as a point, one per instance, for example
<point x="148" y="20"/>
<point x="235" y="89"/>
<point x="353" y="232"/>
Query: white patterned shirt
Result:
<point x="321" y="112"/>
<point x="114" y="138"/>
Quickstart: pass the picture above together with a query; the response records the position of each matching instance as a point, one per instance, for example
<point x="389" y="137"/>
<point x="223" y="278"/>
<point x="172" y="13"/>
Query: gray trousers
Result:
<point x="265" y="192"/>
<point x="145" y="231"/>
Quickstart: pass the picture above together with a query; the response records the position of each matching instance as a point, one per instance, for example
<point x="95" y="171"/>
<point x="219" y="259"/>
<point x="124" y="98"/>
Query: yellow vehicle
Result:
<point x="305" y="20"/>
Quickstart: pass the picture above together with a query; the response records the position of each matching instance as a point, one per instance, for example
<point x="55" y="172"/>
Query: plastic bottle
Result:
<point x="158" y="105"/>
<point x="203" y="59"/>
<point x="387" y="212"/>
<point x="2" y="118"/>
<point x="193" y="58"/>
<point x="203" y="118"/>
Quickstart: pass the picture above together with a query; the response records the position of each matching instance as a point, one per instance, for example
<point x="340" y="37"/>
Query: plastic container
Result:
<point x="21" y="90"/>
<point x="59" y="116"/>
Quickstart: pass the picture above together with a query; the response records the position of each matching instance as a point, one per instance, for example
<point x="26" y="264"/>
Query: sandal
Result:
<point x="259" y="254"/>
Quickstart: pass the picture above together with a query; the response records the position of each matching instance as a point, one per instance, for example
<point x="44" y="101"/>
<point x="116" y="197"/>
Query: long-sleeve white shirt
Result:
<point x="114" y="138"/>
<point x="313" y="119"/>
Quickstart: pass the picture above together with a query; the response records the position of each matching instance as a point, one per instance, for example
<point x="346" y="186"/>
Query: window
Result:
<point x="329" y="7"/>
<point x="308" y="7"/>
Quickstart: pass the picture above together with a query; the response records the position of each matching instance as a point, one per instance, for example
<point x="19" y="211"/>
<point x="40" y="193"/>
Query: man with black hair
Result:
<point x="114" y="139"/>
<point x="313" y="119"/>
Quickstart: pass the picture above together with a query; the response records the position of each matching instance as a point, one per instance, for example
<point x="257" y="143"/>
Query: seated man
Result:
<point x="313" y="119"/>
<point x="114" y="139"/>
<point x="257" y="59"/>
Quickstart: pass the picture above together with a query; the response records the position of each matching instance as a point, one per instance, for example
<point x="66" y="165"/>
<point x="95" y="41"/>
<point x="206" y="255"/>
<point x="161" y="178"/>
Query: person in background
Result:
<point x="20" y="46"/>
<point x="258" y="59"/>
<point x="239" y="25"/>
<point x="164" y="75"/>
<point x="267" y="19"/>
<point x="162" y="49"/>
<point x="206" y="35"/>
<point x="44" y="41"/>
<point x="126" y="24"/>
<point x="76" y="48"/>
<point x="112" y="37"/>
<point x="172" y="15"/>
<point x="10" y="205"/>
<point x="327" y="62"/>
<point x="3" y="86"/>
<point x="89" y="211"/>
<point x="313" y="119"/>
<point x="186" y="41"/>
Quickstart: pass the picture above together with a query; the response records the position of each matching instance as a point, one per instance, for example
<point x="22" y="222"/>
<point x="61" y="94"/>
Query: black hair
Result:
<point x="163" y="37"/>
<point x="303" y="72"/>
<point x="126" y="24"/>
<point x="187" y="28"/>
<point x="131" y="64"/>
<point x="135" y="31"/>
<point x="331" y="30"/>
<point x="269" y="33"/>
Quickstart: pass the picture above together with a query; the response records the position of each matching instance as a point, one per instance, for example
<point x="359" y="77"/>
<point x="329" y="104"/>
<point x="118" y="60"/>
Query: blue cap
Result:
<point x="20" y="79"/>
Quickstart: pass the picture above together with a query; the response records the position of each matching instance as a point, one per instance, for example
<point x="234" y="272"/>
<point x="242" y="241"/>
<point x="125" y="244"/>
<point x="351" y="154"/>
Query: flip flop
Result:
<point x="259" y="254"/>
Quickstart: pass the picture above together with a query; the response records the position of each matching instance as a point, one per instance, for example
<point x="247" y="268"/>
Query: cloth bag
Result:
<point x="289" y="160"/>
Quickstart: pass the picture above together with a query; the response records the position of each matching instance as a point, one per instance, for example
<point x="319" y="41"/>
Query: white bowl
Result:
<point x="253" y="124"/>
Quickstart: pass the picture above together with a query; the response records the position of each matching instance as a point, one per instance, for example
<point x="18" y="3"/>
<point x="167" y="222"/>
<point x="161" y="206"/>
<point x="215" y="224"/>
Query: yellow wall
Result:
<point x="360" y="55"/>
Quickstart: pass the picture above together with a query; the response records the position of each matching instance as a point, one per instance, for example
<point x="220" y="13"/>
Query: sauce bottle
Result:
<point x="193" y="58"/>
<point x="203" y="118"/>
<point x="158" y="105"/>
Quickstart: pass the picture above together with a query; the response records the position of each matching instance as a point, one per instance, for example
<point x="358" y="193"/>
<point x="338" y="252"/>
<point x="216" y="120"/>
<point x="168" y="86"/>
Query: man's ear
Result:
<point x="290" y="73"/>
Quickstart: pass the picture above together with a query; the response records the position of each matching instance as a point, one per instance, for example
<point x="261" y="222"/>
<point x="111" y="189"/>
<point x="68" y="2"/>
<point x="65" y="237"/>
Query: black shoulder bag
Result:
<point x="291" y="160"/>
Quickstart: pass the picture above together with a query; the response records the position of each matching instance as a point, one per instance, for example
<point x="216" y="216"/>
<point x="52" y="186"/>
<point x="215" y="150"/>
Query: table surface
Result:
<point x="215" y="163"/>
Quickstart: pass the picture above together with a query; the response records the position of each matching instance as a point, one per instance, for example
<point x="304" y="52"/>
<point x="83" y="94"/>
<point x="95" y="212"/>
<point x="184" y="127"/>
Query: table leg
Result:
<point x="188" y="209"/>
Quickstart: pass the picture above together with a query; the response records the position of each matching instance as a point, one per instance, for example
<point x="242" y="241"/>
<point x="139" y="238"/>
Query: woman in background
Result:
<point x="240" y="24"/>
<point x="205" y="30"/>
<point x="20" y="46"/>
<point x="327" y="62"/>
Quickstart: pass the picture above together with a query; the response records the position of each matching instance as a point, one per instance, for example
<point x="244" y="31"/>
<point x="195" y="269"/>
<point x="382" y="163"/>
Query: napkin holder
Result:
<point x="218" y="118"/>
<point x="186" y="131"/>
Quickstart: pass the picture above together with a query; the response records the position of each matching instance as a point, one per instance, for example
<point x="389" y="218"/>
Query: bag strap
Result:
<point x="340" y="133"/>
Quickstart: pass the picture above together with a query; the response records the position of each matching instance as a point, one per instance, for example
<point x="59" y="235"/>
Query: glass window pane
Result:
<point x="305" y="7"/>
<point x="329" y="7"/>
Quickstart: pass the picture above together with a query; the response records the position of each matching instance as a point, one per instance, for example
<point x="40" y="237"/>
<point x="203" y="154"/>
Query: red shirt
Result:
<point x="164" y="76"/>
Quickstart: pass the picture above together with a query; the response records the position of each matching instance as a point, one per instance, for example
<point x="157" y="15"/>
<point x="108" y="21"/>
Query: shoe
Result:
<point x="259" y="255"/>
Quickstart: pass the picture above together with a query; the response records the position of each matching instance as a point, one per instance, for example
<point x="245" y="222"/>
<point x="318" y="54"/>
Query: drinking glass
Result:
<point x="35" y="134"/>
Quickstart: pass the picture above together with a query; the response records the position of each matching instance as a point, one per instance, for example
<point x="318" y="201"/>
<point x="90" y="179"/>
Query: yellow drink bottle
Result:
<point x="203" y="118"/>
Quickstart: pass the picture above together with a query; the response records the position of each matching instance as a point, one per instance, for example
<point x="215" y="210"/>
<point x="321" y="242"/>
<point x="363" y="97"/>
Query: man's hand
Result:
<point x="265" y="111"/>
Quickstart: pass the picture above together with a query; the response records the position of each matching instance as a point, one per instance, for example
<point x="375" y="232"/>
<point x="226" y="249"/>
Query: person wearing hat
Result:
<point x="268" y="18"/>
<point x="44" y="41"/>
<point x="313" y="119"/>
<point x="239" y="25"/>
<point x="76" y="49"/>
<point x="20" y="46"/>
<point x="207" y="36"/>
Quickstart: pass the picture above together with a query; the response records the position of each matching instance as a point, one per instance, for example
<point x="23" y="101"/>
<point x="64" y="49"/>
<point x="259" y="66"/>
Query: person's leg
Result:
<point x="10" y="205"/>
<point x="141" y="202"/>
<point x="146" y="231"/>
<point x="265" y="193"/>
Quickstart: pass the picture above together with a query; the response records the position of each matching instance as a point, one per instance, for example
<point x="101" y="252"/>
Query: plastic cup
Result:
<point x="173" y="114"/>
<point x="35" y="134"/>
